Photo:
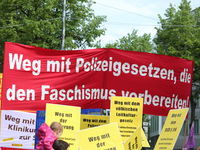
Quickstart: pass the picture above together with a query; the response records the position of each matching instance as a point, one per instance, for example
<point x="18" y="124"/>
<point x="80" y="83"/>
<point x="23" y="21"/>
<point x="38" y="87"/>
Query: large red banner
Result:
<point x="33" y="76"/>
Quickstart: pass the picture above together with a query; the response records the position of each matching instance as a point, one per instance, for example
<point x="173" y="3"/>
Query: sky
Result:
<point x="125" y="15"/>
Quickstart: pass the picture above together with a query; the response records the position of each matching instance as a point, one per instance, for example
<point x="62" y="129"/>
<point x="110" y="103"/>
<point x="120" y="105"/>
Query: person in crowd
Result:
<point x="60" y="145"/>
<point x="47" y="135"/>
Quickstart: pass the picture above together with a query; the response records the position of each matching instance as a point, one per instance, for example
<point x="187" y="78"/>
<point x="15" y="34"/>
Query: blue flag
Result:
<point x="40" y="119"/>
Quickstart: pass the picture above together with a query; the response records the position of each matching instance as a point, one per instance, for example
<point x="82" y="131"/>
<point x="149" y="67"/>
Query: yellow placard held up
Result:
<point x="127" y="112"/>
<point x="171" y="129"/>
<point x="89" y="121"/>
<point x="134" y="141"/>
<point x="69" y="117"/>
<point x="104" y="137"/>
<point x="1" y="76"/>
<point x="145" y="143"/>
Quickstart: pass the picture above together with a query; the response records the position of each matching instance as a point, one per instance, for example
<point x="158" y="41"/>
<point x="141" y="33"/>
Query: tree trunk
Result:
<point x="193" y="106"/>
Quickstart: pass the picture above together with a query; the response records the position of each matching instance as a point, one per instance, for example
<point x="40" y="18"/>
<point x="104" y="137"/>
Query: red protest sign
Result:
<point x="34" y="76"/>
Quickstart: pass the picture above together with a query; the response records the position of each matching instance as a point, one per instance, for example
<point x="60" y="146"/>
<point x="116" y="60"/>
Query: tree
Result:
<point x="39" y="23"/>
<point x="133" y="42"/>
<point x="179" y="36"/>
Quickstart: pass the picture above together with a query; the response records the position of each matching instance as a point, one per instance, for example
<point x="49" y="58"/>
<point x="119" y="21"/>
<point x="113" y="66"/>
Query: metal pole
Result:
<point x="63" y="26"/>
<point x="185" y="132"/>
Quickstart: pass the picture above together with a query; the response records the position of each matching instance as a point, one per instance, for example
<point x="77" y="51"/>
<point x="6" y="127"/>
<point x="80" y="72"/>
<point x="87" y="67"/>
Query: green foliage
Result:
<point x="133" y="42"/>
<point x="39" y="23"/>
<point x="179" y="36"/>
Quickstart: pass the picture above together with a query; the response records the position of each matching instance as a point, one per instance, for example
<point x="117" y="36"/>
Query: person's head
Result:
<point x="57" y="129"/>
<point x="60" y="145"/>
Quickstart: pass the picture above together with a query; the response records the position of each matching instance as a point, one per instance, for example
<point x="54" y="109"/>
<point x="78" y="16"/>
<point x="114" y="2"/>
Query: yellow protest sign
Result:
<point x="104" y="137"/>
<point x="171" y="129"/>
<point x="89" y="121"/>
<point x="69" y="117"/>
<point x="127" y="112"/>
<point x="1" y="76"/>
<point x="145" y="143"/>
<point x="134" y="141"/>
